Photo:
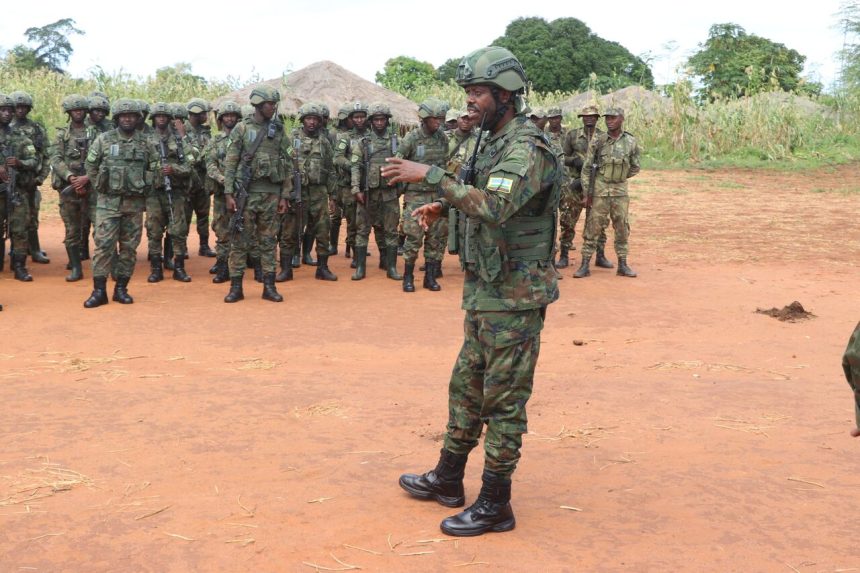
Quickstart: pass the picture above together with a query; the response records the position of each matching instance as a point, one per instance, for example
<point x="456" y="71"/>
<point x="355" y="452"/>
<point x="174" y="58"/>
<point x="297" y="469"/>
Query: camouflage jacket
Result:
<point x="213" y="156"/>
<point x="100" y="127"/>
<point x="460" y="148"/>
<point x="121" y="165"/>
<point x="268" y="167"/>
<point x="507" y="236"/>
<point x="575" y="147"/>
<point x="200" y="135"/>
<point x="379" y="148"/>
<point x="314" y="159"/>
<point x="617" y="161"/>
<point x="180" y="153"/>
<point x="556" y="140"/>
<point x="69" y="153"/>
<point x="14" y="143"/>
<point x="343" y="155"/>
<point x="427" y="148"/>
<point x="39" y="136"/>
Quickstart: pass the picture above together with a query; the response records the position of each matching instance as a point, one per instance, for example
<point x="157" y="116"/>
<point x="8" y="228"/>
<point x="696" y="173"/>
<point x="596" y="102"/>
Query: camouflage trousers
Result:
<point x="221" y="226"/>
<point x="491" y="384"/>
<point x="380" y="215"/>
<point x="17" y="224"/>
<point x="119" y="221"/>
<point x="433" y="239"/>
<point x="158" y="222"/>
<point x="34" y="202"/>
<point x="315" y="220"/>
<point x="851" y="366"/>
<point x="199" y="203"/>
<point x="569" y="209"/>
<point x="74" y="212"/>
<point x="602" y="210"/>
<point x="344" y="206"/>
<point x="260" y="229"/>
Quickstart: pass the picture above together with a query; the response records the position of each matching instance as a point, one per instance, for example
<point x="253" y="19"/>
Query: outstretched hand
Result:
<point x="427" y="214"/>
<point x="399" y="170"/>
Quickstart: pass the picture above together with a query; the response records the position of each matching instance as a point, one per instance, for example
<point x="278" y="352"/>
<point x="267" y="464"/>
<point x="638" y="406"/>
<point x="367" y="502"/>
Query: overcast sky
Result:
<point x="268" y="37"/>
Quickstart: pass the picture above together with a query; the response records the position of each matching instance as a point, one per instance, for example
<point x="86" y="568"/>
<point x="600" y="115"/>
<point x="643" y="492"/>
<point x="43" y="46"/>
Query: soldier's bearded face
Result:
<point x="127" y="122"/>
<point x="480" y="101"/>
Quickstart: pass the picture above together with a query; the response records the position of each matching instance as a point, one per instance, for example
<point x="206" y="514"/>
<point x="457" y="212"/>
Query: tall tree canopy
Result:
<point x="404" y="74"/>
<point x="562" y="55"/>
<point x="732" y="63"/>
<point x="849" y="25"/>
<point x="51" y="47"/>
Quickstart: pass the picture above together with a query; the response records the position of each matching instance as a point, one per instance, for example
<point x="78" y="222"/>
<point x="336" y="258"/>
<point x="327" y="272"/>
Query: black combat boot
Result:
<point x="430" y="276"/>
<point x="19" y="268"/>
<point x="360" y="261"/>
<point x="222" y="273"/>
<point x="409" y="277"/>
<point x="74" y="264"/>
<point x="438" y="269"/>
<point x="235" y="294"/>
<point x="323" y="273"/>
<point x="286" y="273"/>
<point x="490" y="512"/>
<point x="391" y="267"/>
<point x="156" y="272"/>
<point x="204" y="250"/>
<point x="382" y="260"/>
<point x="623" y="269"/>
<point x="214" y="268"/>
<point x="307" y="245"/>
<point x="257" y="265"/>
<point x="99" y="294"/>
<point x="179" y="273"/>
<point x="269" y="290"/>
<point x="120" y="291"/>
<point x="583" y="270"/>
<point x="601" y="260"/>
<point x="36" y="252"/>
<point x="168" y="253"/>
<point x="347" y="251"/>
<point x="444" y="484"/>
<point x="563" y="259"/>
<point x="334" y="237"/>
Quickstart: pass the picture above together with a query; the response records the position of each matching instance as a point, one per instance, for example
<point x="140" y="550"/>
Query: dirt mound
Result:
<point x="328" y="83"/>
<point x="790" y="313"/>
<point x="631" y="98"/>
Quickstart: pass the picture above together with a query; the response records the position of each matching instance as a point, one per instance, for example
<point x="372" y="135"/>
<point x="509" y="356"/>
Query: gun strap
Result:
<point x="256" y="144"/>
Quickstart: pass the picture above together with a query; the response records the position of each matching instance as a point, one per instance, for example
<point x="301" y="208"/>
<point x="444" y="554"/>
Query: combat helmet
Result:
<point x="379" y="109"/>
<point x="144" y="107"/>
<point x="6" y="101"/>
<point x="22" y="98"/>
<point x="229" y="107"/>
<point x="99" y="94"/>
<point x="264" y="93"/>
<point x="99" y="102"/>
<point x="247" y="111"/>
<point x="357" y="107"/>
<point x="126" y="105"/>
<point x="75" y="101"/>
<point x="343" y="112"/>
<point x="161" y="108"/>
<point x="197" y="105"/>
<point x="310" y="108"/>
<point x="432" y="107"/>
<point x="554" y="112"/>
<point x="494" y="66"/>
<point x="178" y="110"/>
<point x="326" y="112"/>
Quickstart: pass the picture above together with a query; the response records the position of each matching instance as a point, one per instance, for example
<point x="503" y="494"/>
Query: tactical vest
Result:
<point x="428" y="149"/>
<point x="175" y="152"/>
<point x="528" y="236"/>
<point x="268" y="164"/>
<point x="315" y="157"/>
<point x="73" y="153"/>
<point x="379" y="148"/>
<point x="219" y="148"/>
<point x="124" y="168"/>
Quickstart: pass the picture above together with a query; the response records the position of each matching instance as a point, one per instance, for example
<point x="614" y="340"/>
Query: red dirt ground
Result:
<point x="687" y="433"/>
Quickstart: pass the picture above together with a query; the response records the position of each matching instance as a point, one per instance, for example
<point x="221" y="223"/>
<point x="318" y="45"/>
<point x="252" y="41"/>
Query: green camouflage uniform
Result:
<point x="506" y="249"/>
<point x="315" y="159"/>
<point x="265" y="190"/>
<point x="382" y="206"/>
<point x="15" y="143"/>
<point x="37" y="133"/>
<point x="575" y="146"/>
<point x="121" y="169"/>
<point x="430" y="149"/>
<point x="182" y="156"/>
<point x="215" y="154"/>
<point x="851" y="366"/>
<point x="617" y="161"/>
<point x="198" y="196"/>
<point x="68" y="158"/>
<point x="345" y="205"/>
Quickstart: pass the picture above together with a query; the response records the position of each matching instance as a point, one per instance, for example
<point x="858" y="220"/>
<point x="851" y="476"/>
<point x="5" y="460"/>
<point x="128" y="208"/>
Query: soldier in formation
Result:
<point x="338" y="208"/>
<point x="199" y="199"/>
<point x="227" y="117"/>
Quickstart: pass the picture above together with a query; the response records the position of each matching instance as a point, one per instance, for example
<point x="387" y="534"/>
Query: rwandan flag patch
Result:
<point x="500" y="184"/>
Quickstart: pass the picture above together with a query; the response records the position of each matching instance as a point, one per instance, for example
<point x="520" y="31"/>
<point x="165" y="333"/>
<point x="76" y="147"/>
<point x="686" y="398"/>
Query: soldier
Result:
<point x="616" y="155"/>
<point x="427" y="144"/>
<point x="342" y="183"/>
<point x="19" y="158"/>
<point x="311" y="155"/>
<point x="258" y="143"/>
<point x="121" y="164"/>
<point x="572" y="200"/>
<point x="227" y="117"/>
<point x="198" y="198"/>
<point x="68" y="175"/>
<point x="851" y="366"/>
<point x="538" y="117"/>
<point x="98" y="122"/>
<point x="461" y="142"/>
<point x="378" y="204"/>
<point x="451" y="121"/>
<point x="556" y="134"/>
<point x="36" y="132"/>
<point x="357" y="116"/>
<point x="506" y="250"/>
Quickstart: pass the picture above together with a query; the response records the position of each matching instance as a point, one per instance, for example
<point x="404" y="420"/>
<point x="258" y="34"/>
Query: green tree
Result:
<point x="51" y="50"/>
<point x="562" y="54"/>
<point x="733" y="63"/>
<point x="849" y="56"/>
<point x="448" y="70"/>
<point x="404" y="75"/>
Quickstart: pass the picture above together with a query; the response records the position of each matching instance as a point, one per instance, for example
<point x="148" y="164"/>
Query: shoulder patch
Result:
<point x="500" y="184"/>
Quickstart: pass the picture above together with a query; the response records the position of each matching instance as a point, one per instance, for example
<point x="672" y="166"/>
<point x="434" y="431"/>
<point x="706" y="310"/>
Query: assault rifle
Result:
<point x="592" y="179"/>
<point x="13" y="199"/>
<point x="83" y="145"/>
<point x="168" y="186"/>
<point x="466" y="177"/>
<point x="243" y="180"/>
<point x="296" y="195"/>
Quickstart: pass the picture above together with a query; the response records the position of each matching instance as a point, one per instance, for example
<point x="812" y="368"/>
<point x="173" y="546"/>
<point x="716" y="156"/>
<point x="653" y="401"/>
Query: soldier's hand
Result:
<point x="12" y="162"/>
<point x="360" y="197"/>
<point x="231" y="203"/>
<point x="4" y="175"/>
<point x="179" y="125"/>
<point x="167" y="170"/>
<point x="79" y="181"/>
<point x="282" y="206"/>
<point x="400" y="170"/>
<point x="428" y="214"/>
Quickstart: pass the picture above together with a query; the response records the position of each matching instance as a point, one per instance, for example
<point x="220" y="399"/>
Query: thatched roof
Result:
<point x="328" y="83"/>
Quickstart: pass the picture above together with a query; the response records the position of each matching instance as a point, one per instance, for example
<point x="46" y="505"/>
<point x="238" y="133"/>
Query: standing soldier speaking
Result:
<point x="506" y="250"/>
